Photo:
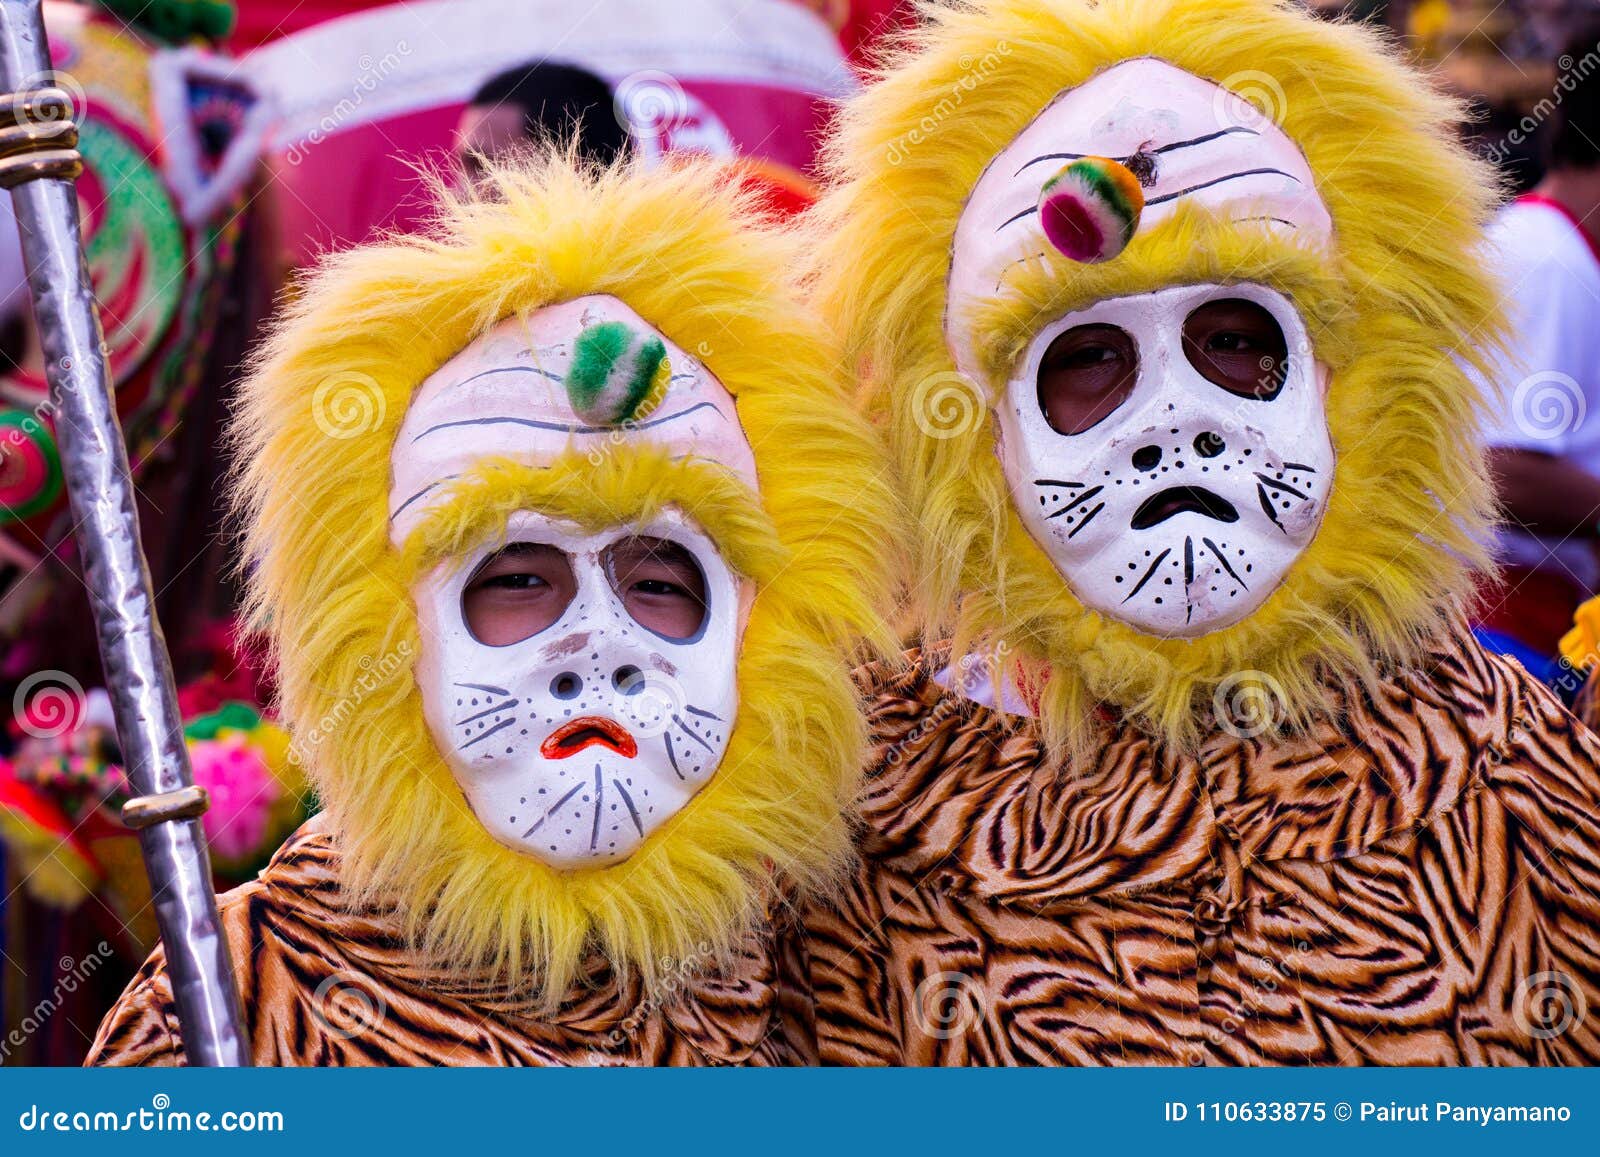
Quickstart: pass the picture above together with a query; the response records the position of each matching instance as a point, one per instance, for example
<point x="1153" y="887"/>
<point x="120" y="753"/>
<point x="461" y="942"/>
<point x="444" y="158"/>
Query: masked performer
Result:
<point x="562" y="528"/>
<point x="1161" y="300"/>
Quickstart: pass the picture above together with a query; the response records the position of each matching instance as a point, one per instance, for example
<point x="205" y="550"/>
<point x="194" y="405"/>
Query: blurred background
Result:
<point x="227" y="144"/>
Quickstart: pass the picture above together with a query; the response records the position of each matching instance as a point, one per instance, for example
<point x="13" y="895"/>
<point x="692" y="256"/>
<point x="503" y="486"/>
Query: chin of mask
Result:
<point x="580" y="685"/>
<point x="1170" y="452"/>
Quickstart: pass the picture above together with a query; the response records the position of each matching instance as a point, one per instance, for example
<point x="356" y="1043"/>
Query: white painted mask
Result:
<point x="1169" y="451"/>
<point x="1172" y="484"/>
<point x="575" y="731"/>
<point x="574" y="743"/>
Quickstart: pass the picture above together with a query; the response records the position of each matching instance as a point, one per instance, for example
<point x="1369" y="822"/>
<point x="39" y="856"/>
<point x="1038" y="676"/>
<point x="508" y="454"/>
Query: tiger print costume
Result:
<point x="573" y="686"/>
<point x="1420" y="885"/>
<point x="325" y="986"/>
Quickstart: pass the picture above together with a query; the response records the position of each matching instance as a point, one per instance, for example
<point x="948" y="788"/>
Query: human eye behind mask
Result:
<point x="525" y="587"/>
<point x="517" y="592"/>
<point x="1086" y="373"/>
<point x="1238" y="346"/>
<point x="660" y="585"/>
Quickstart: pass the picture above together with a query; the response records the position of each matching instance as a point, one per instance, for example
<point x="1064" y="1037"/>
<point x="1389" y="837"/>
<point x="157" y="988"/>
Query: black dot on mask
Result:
<point x="566" y="685"/>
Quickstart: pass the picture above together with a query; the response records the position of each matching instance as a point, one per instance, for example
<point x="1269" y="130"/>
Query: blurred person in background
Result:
<point x="1545" y="439"/>
<point x="540" y="101"/>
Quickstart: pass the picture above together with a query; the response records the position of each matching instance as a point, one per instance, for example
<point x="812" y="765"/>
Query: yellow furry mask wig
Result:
<point x="1165" y="305"/>
<point x="563" y="531"/>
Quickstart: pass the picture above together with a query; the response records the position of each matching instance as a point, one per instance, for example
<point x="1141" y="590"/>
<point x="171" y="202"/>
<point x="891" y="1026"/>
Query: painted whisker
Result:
<point x="495" y="710"/>
<point x="1216" y="553"/>
<point x="1076" y="502"/>
<point x="1276" y="485"/>
<point x="1149" y="574"/>
<point x="552" y="809"/>
<point x="1087" y="519"/>
<point x="1266" y="506"/>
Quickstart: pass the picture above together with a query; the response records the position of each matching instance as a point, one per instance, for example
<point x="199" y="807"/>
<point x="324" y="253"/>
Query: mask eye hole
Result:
<point x="660" y="584"/>
<point x="1238" y="345"/>
<point x="1085" y="374"/>
<point x="517" y="592"/>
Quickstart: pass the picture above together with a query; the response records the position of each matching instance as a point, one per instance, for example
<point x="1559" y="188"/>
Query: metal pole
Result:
<point x="38" y="162"/>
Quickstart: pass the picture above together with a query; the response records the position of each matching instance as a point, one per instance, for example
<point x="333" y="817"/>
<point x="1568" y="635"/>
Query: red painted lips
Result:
<point x="586" y="731"/>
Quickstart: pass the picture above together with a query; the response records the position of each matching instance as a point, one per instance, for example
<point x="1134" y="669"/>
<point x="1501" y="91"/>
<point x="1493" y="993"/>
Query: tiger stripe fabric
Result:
<point x="325" y="986"/>
<point x="1418" y="884"/>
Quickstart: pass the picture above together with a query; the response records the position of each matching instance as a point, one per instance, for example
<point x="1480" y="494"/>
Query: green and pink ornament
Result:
<point x="1090" y="209"/>
<point x="30" y="467"/>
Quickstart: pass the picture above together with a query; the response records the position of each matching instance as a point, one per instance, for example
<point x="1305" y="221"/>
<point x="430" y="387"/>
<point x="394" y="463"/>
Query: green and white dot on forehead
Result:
<point x="618" y="374"/>
<point x="1189" y="140"/>
<point x="587" y="375"/>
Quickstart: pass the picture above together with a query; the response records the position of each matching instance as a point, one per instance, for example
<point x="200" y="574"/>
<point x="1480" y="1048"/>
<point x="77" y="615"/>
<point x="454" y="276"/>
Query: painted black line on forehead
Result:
<point x="426" y="489"/>
<point x="569" y="427"/>
<point x="553" y="376"/>
<point x="1165" y="197"/>
<point x="1169" y="148"/>
<point x="1263" y="172"/>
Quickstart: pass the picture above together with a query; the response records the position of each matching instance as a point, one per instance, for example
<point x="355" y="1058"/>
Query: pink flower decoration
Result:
<point x="242" y="791"/>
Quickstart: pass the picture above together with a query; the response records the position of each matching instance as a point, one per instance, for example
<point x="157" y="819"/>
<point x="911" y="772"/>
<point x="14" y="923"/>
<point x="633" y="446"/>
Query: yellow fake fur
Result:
<point x="688" y="253"/>
<point x="1391" y="311"/>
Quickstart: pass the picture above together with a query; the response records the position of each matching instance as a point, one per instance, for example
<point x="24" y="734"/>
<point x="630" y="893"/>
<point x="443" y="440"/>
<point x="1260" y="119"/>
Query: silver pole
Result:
<point x="38" y="161"/>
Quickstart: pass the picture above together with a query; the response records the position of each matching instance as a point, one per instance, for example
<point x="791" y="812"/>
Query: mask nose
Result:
<point x="627" y="680"/>
<point x="1147" y="458"/>
<point x="1207" y="444"/>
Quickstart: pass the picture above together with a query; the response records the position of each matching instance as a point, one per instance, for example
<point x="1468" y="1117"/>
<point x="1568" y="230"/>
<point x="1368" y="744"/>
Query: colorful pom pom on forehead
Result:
<point x="618" y="374"/>
<point x="1090" y="209"/>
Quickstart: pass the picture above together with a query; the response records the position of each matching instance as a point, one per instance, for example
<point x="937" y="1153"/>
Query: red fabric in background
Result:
<point x="869" y="21"/>
<point x="262" y="20"/>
